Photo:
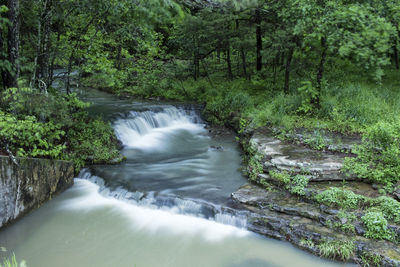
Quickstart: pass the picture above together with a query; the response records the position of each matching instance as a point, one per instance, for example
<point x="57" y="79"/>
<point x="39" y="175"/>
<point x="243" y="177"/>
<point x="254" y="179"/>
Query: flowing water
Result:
<point x="168" y="204"/>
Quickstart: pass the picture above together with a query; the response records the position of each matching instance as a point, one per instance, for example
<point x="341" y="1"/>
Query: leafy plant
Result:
<point x="389" y="207"/>
<point x="337" y="197"/>
<point x="309" y="94"/>
<point x="294" y="184"/>
<point x="283" y="177"/>
<point x="29" y="138"/>
<point x="378" y="157"/>
<point x="346" y="220"/>
<point x="377" y="226"/>
<point x="297" y="185"/>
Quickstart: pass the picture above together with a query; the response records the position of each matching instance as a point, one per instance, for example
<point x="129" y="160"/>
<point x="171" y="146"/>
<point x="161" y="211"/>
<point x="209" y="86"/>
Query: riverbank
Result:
<point x="302" y="195"/>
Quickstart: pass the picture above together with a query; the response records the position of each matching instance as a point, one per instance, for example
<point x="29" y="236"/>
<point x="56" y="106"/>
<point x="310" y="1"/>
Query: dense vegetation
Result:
<point x="322" y="66"/>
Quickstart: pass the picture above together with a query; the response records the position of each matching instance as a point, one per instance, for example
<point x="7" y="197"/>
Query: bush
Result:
<point x="378" y="157"/>
<point x="298" y="184"/>
<point x="389" y="207"/>
<point x="91" y="141"/>
<point x="340" y="198"/>
<point x="29" y="138"/>
<point x="294" y="184"/>
<point x="54" y="126"/>
<point x="377" y="226"/>
<point x="226" y="106"/>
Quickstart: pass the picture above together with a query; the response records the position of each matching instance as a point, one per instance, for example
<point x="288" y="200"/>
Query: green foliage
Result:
<point x="370" y="259"/>
<point x="378" y="157"/>
<point x="12" y="262"/>
<point x="316" y="140"/>
<point x="341" y="198"/>
<point x="283" y="177"/>
<point x="294" y="184"/>
<point x="29" y="138"/>
<point x="297" y="185"/>
<point x="307" y="243"/>
<point x="226" y="106"/>
<point x="345" y="222"/>
<point x="91" y="141"/>
<point x="309" y="95"/>
<point x="337" y="249"/>
<point x="389" y="207"/>
<point x="54" y="126"/>
<point x="377" y="226"/>
<point x="254" y="162"/>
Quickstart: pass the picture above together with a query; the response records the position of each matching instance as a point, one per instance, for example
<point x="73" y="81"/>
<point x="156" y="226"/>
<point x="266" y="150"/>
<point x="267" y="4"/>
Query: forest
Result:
<point x="315" y="66"/>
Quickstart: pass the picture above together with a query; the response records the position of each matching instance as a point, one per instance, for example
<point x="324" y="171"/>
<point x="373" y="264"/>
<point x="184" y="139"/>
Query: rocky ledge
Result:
<point x="276" y="212"/>
<point x="29" y="184"/>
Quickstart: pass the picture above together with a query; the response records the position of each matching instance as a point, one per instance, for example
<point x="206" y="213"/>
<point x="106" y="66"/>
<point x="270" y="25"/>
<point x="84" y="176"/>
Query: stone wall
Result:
<point x="27" y="186"/>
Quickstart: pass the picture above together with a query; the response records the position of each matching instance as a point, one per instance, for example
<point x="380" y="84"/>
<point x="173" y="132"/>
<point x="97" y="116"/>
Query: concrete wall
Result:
<point x="27" y="186"/>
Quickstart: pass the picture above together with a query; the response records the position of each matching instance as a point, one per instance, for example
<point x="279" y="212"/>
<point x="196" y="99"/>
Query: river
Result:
<point x="168" y="204"/>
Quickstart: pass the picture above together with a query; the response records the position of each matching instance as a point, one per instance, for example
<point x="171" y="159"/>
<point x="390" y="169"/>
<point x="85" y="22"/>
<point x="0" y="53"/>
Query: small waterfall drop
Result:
<point x="147" y="129"/>
<point x="168" y="203"/>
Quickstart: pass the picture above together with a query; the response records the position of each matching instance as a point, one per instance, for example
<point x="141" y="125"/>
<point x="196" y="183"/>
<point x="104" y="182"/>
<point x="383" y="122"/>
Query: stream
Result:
<point x="168" y="204"/>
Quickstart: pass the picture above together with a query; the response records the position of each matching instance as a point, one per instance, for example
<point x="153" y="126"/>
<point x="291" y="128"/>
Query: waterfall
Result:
<point x="148" y="128"/>
<point x="168" y="203"/>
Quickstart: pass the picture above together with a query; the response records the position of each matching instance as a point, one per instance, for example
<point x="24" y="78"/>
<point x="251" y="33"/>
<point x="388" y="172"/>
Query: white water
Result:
<point x="147" y="130"/>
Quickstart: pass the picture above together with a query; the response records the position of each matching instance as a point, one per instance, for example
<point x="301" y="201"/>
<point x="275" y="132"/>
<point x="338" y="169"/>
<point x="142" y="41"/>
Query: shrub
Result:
<point x="227" y="105"/>
<point x="340" y="198"/>
<point x="294" y="184"/>
<point x="389" y="207"/>
<point x="297" y="185"/>
<point x="282" y="177"/>
<point x="29" y="138"/>
<point x="378" y="157"/>
<point x="54" y="126"/>
<point x="91" y="141"/>
<point x="377" y="226"/>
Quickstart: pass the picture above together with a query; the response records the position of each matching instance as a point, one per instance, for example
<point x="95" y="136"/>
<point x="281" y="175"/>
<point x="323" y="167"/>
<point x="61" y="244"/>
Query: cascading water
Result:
<point x="168" y="204"/>
<point x="144" y="130"/>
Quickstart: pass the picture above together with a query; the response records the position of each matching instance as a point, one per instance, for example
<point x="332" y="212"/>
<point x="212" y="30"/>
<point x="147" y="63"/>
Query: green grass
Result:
<point x="12" y="262"/>
<point x="337" y="249"/>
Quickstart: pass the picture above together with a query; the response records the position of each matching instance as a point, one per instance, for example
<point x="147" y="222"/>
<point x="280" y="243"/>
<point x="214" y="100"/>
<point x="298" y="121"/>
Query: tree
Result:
<point x="13" y="43"/>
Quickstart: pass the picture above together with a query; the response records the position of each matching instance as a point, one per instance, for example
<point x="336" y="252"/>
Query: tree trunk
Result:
<point x="53" y="59"/>
<point x="243" y="54"/>
<point x="2" y="58"/>
<point x="396" y="54"/>
<point x="228" y="62"/>
<point x="119" y="58"/>
<point x="258" y="40"/>
<point x="321" y="70"/>
<point x="45" y="56"/>
<point x="287" y="70"/>
<point x="13" y="42"/>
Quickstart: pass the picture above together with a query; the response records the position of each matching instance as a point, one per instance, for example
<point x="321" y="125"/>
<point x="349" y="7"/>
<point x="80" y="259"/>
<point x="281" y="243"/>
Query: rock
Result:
<point x="27" y="186"/>
<point x="279" y="215"/>
<point x="217" y="148"/>
<point x="317" y="165"/>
